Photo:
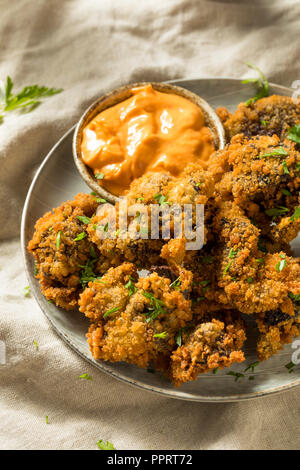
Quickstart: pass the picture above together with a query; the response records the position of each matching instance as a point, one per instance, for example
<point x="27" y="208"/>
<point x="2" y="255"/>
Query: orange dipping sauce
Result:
<point x="149" y="132"/>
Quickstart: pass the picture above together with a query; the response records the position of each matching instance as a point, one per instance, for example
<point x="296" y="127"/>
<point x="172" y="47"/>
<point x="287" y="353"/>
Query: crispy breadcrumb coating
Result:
<point x="212" y="344"/>
<point x="60" y="252"/>
<point x="268" y="116"/>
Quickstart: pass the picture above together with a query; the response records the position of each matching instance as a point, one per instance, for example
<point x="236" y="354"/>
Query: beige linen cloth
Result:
<point x="87" y="47"/>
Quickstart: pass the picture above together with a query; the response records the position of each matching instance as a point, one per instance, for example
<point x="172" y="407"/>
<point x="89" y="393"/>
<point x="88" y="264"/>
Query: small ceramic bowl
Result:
<point x="120" y="94"/>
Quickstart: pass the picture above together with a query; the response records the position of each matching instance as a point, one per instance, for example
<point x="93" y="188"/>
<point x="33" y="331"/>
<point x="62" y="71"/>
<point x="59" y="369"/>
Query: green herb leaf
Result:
<point x="286" y="171"/>
<point x="286" y="192"/>
<point x="105" y="445"/>
<point x="28" y="99"/>
<point x="47" y="420"/>
<point x="87" y="274"/>
<point x="295" y="298"/>
<point x="161" y="199"/>
<point x="80" y="236"/>
<point x="111" y="311"/>
<point x="160" y="335"/>
<point x="261" y="82"/>
<point x="294" y="134"/>
<point x="290" y="367"/>
<point x="280" y="152"/>
<point x="130" y="286"/>
<point x="27" y="291"/>
<point x="237" y="375"/>
<point x="99" y="176"/>
<point x="35" y="345"/>
<point x="281" y="264"/>
<point x="296" y="214"/>
<point x="156" y="308"/>
<point x="249" y="280"/>
<point x="84" y="219"/>
<point x="252" y="366"/>
<point x="276" y="211"/>
<point x="176" y="284"/>
<point x="85" y="377"/>
<point x="58" y="238"/>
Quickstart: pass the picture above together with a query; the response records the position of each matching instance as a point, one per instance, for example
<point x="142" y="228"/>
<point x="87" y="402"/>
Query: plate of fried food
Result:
<point x="179" y="273"/>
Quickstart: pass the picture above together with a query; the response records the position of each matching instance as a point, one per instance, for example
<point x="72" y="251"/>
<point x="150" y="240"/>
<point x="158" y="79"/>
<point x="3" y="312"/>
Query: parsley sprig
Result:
<point x="294" y="134"/>
<point x="261" y="82"/>
<point x="26" y="100"/>
<point x="156" y="307"/>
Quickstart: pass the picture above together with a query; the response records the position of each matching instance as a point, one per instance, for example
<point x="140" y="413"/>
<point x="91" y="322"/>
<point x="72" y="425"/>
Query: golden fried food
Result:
<point x="154" y="301"/>
<point x="61" y="249"/>
<point x="277" y="328"/>
<point x="212" y="344"/>
<point x="267" y="116"/>
<point x="141" y="326"/>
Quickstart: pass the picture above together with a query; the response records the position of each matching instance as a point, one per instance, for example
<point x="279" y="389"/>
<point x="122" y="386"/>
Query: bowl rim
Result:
<point x="120" y="94"/>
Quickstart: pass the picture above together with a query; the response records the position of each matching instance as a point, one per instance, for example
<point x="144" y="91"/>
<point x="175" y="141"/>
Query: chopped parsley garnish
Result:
<point x="103" y="227"/>
<point x="260" y="261"/>
<point x="281" y="264"/>
<point x="296" y="214"/>
<point x="160" y="335"/>
<point x="227" y="268"/>
<point x="35" y="345"/>
<point x="81" y="236"/>
<point x="290" y="367"/>
<point x="47" y="420"/>
<point x="130" y="286"/>
<point x="294" y="134"/>
<point x="178" y="337"/>
<point x="111" y="311"/>
<point x="286" y="192"/>
<point x="27" y="291"/>
<point x="280" y="152"/>
<point x="140" y="199"/>
<point x="105" y="445"/>
<point x="249" y="280"/>
<point x="138" y="217"/>
<point x="264" y="123"/>
<point x="232" y="253"/>
<point x="161" y="199"/>
<point x="236" y="375"/>
<point x="276" y="211"/>
<point x="156" y="308"/>
<point x="99" y="176"/>
<point x="261" y="82"/>
<point x="252" y="366"/>
<point x="87" y="274"/>
<point x="85" y="377"/>
<point x="36" y="271"/>
<point x="58" y="238"/>
<point x="285" y="168"/>
<point x="231" y="256"/>
<point x="26" y="100"/>
<point x="295" y="298"/>
<point x="84" y="219"/>
<point x="100" y="200"/>
<point x="215" y="370"/>
<point x="176" y="284"/>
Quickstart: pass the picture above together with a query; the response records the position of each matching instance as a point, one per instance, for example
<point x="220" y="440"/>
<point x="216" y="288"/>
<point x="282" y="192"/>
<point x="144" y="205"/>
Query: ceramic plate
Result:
<point x="58" y="180"/>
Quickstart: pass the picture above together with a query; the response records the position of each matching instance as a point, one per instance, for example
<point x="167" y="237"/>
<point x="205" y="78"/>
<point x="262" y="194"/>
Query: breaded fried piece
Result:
<point x="267" y="116"/>
<point x="262" y="177"/>
<point x="61" y="248"/>
<point x="143" y="330"/>
<point x="108" y="292"/>
<point x="252" y="281"/>
<point x="212" y="344"/>
<point x="278" y="328"/>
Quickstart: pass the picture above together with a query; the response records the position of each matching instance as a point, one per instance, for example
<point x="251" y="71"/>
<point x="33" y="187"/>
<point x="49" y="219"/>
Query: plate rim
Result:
<point x="101" y="364"/>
